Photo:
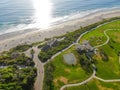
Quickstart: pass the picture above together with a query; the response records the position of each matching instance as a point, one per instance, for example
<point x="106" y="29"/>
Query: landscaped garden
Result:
<point x="96" y="85"/>
<point x="66" y="74"/>
<point x="106" y="61"/>
<point x="107" y="69"/>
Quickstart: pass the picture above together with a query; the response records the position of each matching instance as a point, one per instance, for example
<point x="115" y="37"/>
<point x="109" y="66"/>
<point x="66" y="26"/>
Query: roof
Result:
<point x="80" y="47"/>
<point x="85" y="46"/>
<point x="85" y="42"/>
<point x="70" y="59"/>
<point x="52" y="42"/>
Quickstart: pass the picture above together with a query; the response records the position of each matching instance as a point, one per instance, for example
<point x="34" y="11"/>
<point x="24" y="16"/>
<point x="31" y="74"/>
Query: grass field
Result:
<point x="97" y="36"/>
<point x="96" y="85"/>
<point x="111" y="68"/>
<point x="65" y="74"/>
<point x="106" y="69"/>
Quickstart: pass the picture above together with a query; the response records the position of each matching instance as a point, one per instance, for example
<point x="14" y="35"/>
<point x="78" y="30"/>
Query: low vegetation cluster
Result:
<point x="69" y="38"/>
<point x="17" y="71"/>
<point x="48" y="80"/>
<point x="21" y="48"/>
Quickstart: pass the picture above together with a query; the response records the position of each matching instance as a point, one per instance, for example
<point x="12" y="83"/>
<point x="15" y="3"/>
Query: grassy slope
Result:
<point x="98" y="33"/>
<point x="96" y="85"/>
<point x="110" y="69"/>
<point x="64" y="73"/>
<point x="106" y="70"/>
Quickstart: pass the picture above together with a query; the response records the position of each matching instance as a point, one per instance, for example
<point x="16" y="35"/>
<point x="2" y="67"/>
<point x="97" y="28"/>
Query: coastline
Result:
<point x="11" y="40"/>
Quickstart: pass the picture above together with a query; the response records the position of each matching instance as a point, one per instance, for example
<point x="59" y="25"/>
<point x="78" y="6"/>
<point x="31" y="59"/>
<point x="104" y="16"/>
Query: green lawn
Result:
<point x="64" y="73"/>
<point x="111" y="68"/>
<point x="96" y="36"/>
<point x="106" y="69"/>
<point x="96" y="85"/>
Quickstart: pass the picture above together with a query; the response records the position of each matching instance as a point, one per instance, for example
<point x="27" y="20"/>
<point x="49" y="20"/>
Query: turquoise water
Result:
<point x="16" y="15"/>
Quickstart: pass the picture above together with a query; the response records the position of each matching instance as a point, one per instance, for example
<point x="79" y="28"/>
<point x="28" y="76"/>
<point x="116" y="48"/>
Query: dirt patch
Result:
<point x="104" y="88"/>
<point x="55" y="81"/>
<point x="67" y="70"/>
<point x="97" y="56"/>
<point x="63" y="79"/>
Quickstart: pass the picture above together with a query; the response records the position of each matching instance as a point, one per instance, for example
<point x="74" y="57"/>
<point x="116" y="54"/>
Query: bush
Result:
<point x="21" y="48"/>
<point x="48" y="84"/>
<point x="69" y="39"/>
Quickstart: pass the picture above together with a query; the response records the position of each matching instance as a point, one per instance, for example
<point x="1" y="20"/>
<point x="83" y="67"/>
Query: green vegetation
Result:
<point x="96" y="36"/>
<point x="45" y="55"/>
<point x="21" y="48"/>
<point x="13" y="78"/>
<point x="41" y="45"/>
<point x="48" y="84"/>
<point x="70" y="38"/>
<point x="96" y="85"/>
<point x="15" y="59"/>
<point x="106" y="60"/>
<point x="17" y="71"/>
<point x="64" y="73"/>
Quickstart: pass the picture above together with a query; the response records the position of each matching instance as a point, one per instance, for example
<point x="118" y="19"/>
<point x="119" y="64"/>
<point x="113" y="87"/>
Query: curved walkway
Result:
<point x="40" y="66"/>
<point x="93" y="76"/>
<point x="81" y="83"/>
<point x="103" y="80"/>
<point x="77" y="42"/>
<point x="40" y="69"/>
<point x="108" y="38"/>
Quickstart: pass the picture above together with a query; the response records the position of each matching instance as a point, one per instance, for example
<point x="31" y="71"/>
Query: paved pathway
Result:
<point x="81" y="83"/>
<point x="40" y="68"/>
<point x="108" y="38"/>
<point x="103" y="80"/>
<point x="94" y="72"/>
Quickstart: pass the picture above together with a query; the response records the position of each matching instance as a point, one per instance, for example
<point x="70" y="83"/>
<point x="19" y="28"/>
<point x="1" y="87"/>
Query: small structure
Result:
<point x="53" y="42"/>
<point x="80" y="49"/>
<point x="45" y="48"/>
<point x="50" y="44"/>
<point x="70" y="59"/>
<point x="84" y="47"/>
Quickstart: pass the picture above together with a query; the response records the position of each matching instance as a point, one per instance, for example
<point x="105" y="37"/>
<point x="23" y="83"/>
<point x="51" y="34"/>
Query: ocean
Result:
<point x="16" y="15"/>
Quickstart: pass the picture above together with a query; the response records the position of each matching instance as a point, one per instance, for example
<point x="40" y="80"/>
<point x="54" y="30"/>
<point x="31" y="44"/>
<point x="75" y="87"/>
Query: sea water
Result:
<point x="18" y="15"/>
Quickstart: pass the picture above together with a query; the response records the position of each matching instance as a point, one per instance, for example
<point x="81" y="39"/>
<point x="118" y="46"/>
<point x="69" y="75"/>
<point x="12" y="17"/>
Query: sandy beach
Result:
<point x="11" y="40"/>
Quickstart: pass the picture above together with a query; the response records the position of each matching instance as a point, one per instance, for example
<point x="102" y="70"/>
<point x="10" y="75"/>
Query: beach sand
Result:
<point x="11" y="40"/>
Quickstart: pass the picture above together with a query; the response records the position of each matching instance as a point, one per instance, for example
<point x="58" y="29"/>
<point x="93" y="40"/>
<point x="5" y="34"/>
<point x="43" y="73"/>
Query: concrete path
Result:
<point x="94" y="72"/>
<point x="103" y="80"/>
<point x="108" y="38"/>
<point x="81" y="83"/>
<point x="40" y="68"/>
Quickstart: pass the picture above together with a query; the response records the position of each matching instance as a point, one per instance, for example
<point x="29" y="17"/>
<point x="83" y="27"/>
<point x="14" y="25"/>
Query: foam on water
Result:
<point x="19" y="15"/>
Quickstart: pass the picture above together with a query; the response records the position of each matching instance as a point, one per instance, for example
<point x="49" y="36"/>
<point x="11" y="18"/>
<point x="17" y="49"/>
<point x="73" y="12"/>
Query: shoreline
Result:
<point x="30" y="36"/>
